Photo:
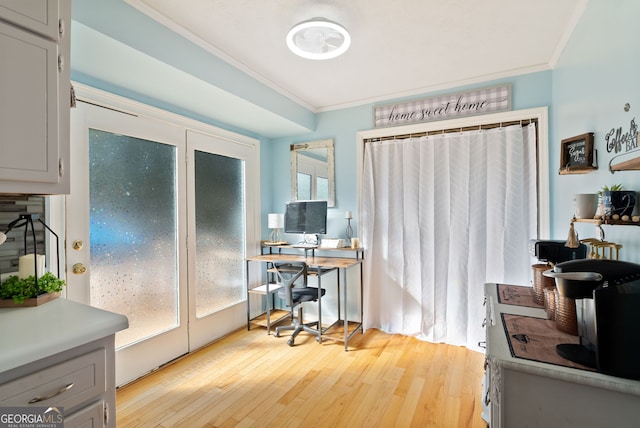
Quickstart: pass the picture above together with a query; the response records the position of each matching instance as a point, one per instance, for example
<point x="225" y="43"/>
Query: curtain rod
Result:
<point x="451" y="130"/>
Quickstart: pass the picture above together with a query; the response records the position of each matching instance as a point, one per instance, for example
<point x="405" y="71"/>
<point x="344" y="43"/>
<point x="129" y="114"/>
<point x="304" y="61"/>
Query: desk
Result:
<point x="311" y="249"/>
<point x="318" y="266"/>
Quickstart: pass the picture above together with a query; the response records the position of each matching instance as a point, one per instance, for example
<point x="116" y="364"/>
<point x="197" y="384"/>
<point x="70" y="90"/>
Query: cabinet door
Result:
<point x="39" y="16"/>
<point x="28" y="107"/>
<point x="91" y="416"/>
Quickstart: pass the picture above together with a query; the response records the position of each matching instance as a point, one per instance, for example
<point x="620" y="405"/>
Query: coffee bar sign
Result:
<point x="479" y="101"/>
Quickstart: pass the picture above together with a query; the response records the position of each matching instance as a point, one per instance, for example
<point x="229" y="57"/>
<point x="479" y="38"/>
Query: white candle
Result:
<point x="348" y="215"/>
<point x="26" y="266"/>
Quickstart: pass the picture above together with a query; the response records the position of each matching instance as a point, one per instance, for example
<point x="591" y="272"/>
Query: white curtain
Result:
<point x="441" y="216"/>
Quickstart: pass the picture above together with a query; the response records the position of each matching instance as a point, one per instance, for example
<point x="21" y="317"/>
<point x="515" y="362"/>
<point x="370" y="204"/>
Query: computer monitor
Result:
<point x="306" y="217"/>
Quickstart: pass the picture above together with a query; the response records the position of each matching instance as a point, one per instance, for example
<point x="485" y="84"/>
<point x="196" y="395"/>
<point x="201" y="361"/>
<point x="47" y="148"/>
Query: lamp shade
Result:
<point x="276" y="221"/>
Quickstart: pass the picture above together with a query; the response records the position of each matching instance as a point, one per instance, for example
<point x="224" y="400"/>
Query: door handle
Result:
<point x="79" y="268"/>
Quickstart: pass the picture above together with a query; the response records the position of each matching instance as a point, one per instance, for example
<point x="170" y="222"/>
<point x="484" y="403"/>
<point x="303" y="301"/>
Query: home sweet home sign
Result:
<point x="479" y="101"/>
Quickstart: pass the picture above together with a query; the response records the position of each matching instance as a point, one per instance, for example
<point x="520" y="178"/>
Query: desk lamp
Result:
<point x="276" y="222"/>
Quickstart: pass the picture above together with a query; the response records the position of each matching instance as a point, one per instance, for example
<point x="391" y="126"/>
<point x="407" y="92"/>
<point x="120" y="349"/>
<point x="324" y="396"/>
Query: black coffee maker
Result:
<point x="607" y="295"/>
<point x="555" y="251"/>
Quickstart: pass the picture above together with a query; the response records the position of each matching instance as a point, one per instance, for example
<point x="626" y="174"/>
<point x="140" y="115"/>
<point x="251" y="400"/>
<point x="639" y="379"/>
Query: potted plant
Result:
<point x="616" y="201"/>
<point x="15" y="291"/>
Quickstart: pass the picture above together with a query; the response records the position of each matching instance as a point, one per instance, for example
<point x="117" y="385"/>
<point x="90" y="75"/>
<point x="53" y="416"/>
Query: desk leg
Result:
<point x="268" y="299"/>
<point x="248" y="295"/>
<point x="362" y="296"/>
<point x="319" y="306"/>
<point x="345" y="323"/>
<point x="339" y="297"/>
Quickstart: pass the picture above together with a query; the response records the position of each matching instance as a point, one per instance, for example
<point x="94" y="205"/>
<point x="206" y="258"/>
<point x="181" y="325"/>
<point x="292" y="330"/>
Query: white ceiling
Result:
<point x="399" y="47"/>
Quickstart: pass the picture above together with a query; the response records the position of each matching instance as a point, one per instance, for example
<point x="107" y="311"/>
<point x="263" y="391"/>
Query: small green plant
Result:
<point x="25" y="288"/>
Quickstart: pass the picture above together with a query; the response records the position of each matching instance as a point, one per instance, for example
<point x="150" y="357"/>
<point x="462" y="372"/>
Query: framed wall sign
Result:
<point x="442" y="107"/>
<point x="577" y="155"/>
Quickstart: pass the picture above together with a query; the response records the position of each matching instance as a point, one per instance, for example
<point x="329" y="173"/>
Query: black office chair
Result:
<point x="294" y="295"/>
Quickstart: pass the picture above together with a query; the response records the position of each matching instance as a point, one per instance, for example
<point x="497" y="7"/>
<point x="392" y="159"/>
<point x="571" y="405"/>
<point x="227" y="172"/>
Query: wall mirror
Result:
<point x="312" y="171"/>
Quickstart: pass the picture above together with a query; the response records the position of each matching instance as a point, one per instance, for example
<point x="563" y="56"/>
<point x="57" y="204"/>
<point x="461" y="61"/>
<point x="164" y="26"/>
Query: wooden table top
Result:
<point x="324" y="262"/>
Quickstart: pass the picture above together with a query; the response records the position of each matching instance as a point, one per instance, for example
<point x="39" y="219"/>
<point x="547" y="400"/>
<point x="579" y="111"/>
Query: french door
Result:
<point x="157" y="231"/>
<point x="221" y="202"/>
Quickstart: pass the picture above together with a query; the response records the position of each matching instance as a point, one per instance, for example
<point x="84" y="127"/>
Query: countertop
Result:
<point x="30" y="334"/>
<point x="498" y="351"/>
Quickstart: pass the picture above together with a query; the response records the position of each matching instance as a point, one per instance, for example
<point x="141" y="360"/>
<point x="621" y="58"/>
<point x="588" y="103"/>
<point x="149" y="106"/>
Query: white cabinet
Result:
<point x="525" y="393"/>
<point x="69" y="382"/>
<point x="62" y="355"/>
<point x="35" y="101"/>
<point x="39" y="16"/>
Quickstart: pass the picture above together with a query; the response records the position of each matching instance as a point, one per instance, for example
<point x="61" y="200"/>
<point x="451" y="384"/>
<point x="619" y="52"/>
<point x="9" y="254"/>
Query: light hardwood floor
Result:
<point x="250" y="379"/>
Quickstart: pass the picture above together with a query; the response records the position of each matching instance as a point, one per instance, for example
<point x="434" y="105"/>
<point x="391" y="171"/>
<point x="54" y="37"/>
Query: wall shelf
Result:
<point x="630" y="165"/>
<point x="608" y="221"/>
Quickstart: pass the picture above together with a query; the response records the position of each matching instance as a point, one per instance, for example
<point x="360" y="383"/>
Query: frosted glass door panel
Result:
<point x="133" y="232"/>
<point x="220" y="232"/>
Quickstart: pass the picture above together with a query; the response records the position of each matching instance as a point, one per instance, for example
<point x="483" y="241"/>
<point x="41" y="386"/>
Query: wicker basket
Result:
<point x="540" y="282"/>
<point x="550" y="302"/>
<point x="566" y="317"/>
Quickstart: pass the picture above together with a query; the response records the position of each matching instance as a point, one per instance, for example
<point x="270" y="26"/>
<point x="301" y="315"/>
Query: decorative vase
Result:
<point x="620" y="202"/>
<point x="585" y="205"/>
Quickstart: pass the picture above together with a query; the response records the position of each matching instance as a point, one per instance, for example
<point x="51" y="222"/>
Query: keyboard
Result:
<point x="310" y="246"/>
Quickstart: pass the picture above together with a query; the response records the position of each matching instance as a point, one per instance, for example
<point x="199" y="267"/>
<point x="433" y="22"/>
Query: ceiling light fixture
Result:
<point x="318" y="38"/>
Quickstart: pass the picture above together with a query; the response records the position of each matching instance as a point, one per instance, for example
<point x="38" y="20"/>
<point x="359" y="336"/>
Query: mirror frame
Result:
<point x="327" y="144"/>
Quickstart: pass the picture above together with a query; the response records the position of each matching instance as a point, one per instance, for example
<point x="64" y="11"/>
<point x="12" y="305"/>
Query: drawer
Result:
<point x="68" y="384"/>
<point x="90" y="416"/>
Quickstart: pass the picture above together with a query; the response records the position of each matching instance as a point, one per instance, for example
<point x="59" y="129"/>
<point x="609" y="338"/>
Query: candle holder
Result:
<point x="349" y="230"/>
<point x="26" y="220"/>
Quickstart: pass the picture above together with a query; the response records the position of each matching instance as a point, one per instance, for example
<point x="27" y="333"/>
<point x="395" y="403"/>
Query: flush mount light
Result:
<point x="318" y="38"/>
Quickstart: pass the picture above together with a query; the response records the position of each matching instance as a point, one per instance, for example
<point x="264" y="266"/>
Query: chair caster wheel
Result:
<point x="276" y="334"/>
<point x="290" y="342"/>
<point x="318" y="339"/>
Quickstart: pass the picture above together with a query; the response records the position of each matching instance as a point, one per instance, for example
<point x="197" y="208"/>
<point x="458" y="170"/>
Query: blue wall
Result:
<point x="595" y="76"/>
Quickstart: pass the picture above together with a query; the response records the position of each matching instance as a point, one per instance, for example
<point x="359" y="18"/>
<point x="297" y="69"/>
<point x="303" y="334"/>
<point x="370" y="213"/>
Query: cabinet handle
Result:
<point x="61" y="28"/>
<point x="482" y="344"/>
<point x="60" y="63"/>
<point x="53" y="394"/>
